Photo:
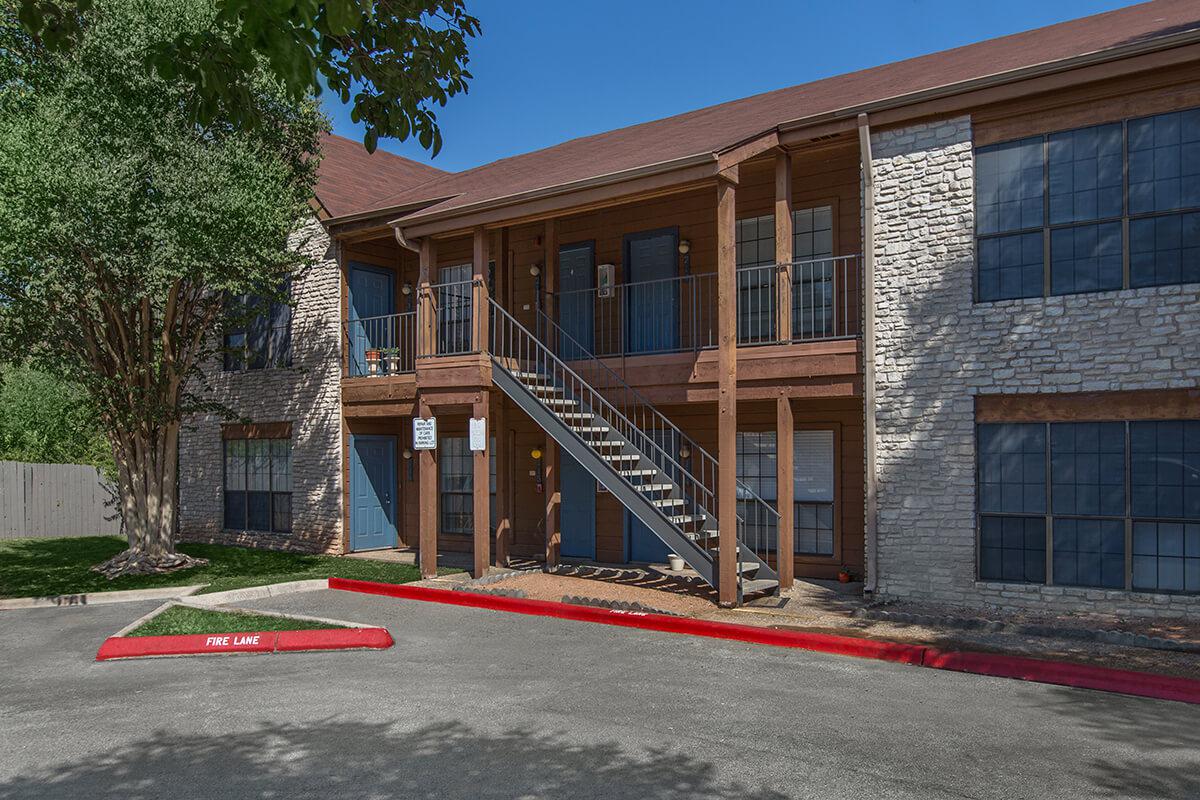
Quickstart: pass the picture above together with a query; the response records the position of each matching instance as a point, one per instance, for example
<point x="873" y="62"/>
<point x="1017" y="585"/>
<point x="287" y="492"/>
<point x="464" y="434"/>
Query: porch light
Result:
<point x="535" y="454"/>
<point x="535" y="270"/>
<point x="685" y="452"/>
<point x="684" y="247"/>
<point x="406" y="289"/>
<point x="407" y="454"/>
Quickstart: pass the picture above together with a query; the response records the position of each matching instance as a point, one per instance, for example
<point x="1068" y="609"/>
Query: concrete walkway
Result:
<point x="482" y="704"/>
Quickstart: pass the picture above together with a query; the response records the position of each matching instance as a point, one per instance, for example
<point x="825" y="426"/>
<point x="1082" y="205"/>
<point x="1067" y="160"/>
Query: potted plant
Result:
<point x="844" y="574"/>
<point x="392" y="356"/>
<point x="676" y="563"/>
<point x="373" y="361"/>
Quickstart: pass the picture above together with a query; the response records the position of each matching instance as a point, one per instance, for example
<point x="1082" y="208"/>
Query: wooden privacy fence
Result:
<point x="51" y="500"/>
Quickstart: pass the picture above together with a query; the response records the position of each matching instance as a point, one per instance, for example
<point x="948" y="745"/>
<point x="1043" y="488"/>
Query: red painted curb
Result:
<point x="1084" y="676"/>
<point x="333" y="639"/>
<point x="820" y="642"/>
<point x="254" y="642"/>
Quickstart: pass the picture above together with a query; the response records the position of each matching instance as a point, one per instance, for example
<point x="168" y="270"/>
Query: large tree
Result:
<point x="124" y="226"/>
<point x="392" y="59"/>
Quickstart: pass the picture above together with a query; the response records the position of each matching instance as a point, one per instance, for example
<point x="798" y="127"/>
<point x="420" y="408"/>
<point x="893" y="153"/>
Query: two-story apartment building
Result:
<point x="935" y="322"/>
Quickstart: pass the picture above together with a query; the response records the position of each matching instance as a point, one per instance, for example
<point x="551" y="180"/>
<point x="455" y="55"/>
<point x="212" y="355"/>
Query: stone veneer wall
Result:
<point x="308" y="395"/>
<point x="936" y="349"/>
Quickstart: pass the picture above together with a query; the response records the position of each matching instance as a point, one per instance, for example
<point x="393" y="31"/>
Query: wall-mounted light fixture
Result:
<point x="407" y="454"/>
<point x="539" y="473"/>
<point x="406" y="289"/>
<point x="685" y="452"/>
<point x="685" y="249"/>
<point x="535" y="270"/>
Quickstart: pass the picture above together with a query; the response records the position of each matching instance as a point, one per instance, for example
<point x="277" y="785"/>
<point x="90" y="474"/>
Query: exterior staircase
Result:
<point x="630" y="448"/>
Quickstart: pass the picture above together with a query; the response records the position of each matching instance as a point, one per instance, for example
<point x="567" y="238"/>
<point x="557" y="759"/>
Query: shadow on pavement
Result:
<point x="354" y="759"/>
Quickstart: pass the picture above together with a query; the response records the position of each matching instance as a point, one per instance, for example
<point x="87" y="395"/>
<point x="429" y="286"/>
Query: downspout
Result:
<point x="398" y="232"/>
<point x="868" y="238"/>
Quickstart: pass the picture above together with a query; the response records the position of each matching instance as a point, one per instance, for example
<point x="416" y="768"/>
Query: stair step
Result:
<point x="576" y="415"/>
<point x="592" y="429"/>
<point x="621" y="457"/>
<point x="684" y="519"/>
<point x="638" y="473"/>
<point x="539" y="377"/>
<point x="668" y="501"/>
<point x="759" y="586"/>
<point x="559" y="402"/>
<point x="545" y="389"/>
<point x="654" y="487"/>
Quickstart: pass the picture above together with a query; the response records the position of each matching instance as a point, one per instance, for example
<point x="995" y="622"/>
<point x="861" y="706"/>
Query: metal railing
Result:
<point x="675" y="315"/>
<point x="377" y="346"/>
<point x="453" y="318"/>
<point x="677" y="455"/>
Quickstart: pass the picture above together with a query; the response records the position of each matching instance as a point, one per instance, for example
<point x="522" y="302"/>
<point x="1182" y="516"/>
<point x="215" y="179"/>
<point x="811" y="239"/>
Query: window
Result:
<point x="456" y="484"/>
<point x="258" y="485"/>
<point x="258" y="332"/>
<point x="1119" y="493"/>
<point x="756" y="471"/>
<point x="813" y="482"/>
<point x="756" y="279"/>
<point x="1071" y="193"/>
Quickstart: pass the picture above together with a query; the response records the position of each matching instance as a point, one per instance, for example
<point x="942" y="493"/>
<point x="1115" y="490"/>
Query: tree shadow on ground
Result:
<point x="1163" y="739"/>
<point x="375" y="760"/>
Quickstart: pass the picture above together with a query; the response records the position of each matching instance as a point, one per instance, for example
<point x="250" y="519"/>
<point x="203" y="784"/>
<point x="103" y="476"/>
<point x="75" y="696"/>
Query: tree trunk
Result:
<point x="148" y="467"/>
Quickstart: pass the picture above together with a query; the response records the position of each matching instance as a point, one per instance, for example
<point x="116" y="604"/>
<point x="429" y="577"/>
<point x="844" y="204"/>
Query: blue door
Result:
<point x="372" y="492"/>
<point x="577" y="512"/>
<point x="652" y="299"/>
<point x="640" y="542"/>
<point x="372" y="299"/>
<point x="576" y="301"/>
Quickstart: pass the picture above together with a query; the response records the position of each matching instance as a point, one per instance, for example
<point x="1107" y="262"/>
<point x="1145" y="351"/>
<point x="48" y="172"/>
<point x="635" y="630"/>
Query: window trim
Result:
<point x="1046" y="228"/>
<point x="251" y="433"/>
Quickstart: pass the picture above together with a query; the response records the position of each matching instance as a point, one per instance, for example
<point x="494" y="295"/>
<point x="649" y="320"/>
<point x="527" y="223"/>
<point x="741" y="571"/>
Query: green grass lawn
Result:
<point x="180" y="620"/>
<point x="39" y="567"/>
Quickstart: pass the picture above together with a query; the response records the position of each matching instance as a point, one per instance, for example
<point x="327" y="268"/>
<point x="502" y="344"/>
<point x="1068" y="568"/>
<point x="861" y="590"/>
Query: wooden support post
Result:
<point x="871" y="478"/>
<point x="553" y="535"/>
<point x="426" y="319"/>
<point x="785" y="487"/>
<point x="727" y="593"/>
<point x="482" y="495"/>
<point x="504" y="480"/>
<point x="427" y="488"/>
<point x="479" y="305"/>
<point x="783" y="246"/>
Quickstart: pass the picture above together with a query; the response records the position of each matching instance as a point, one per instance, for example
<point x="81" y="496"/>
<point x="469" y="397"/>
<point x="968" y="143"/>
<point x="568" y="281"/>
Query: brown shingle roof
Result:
<point x="709" y="130"/>
<point x="350" y="179"/>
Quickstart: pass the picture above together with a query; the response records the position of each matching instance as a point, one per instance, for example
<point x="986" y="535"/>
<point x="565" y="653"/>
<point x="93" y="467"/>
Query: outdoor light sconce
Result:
<point x="407" y="454"/>
<point x="535" y="270"/>
<point x="685" y="452"/>
<point x="406" y="289"/>
<point x="539" y="474"/>
<point x="685" y="249"/>
<point x="408" y="463"/>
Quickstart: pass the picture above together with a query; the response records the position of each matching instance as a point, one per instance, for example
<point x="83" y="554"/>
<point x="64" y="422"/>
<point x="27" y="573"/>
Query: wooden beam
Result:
<point x="783" y="245"/>
<point x="480" y="306"/>
<point x="427" y="488"/>
<point x="870" y="470"/>
<point x="785" y="427"/>
<point x="481" y="495"/>
<point x="727" y="559"/>
<point x="550" y="458"/>
<point x="760" y="144"/>
<point x="426" y="324"/>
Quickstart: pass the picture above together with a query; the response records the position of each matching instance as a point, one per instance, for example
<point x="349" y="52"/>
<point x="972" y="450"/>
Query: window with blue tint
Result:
<point x="1085" y="174"/>
<point x="1086" y="258"/>
<point x="1012" y="468"/>
<point x="1087" y="468"/>
<point x="1165" y="469"/>
<point x="1164" y="162"/>
<point x="1164" y="250"/>
<point x="1012" y="549"/>
<point x="1011" y="266"/>
<point x="1166" y="556"/>
<point x="1009" y="186"/>
<point x="1089" y="552"/>
<point x="258" y="485"/>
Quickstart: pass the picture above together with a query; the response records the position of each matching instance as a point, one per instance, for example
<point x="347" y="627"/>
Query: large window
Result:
<point x="457" y="481"/>
<point x="1051" y="210"/>
<point x="258" y="333"/>
<point x="258" y="484"/>
<point x="1116" y="505"/>
<point x="813" y="489"/>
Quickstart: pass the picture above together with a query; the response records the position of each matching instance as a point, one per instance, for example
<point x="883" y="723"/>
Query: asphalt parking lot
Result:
<point x="485" y="704"/>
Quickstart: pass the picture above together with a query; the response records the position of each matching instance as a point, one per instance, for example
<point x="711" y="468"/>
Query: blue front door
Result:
<point x="640" y="542"/>
<point x="576" y="309"/>
<point x="652" y="299"/>
<point x="372" y="299"/>
<point x="372" y="492"/>
<point x="577" y="513"/>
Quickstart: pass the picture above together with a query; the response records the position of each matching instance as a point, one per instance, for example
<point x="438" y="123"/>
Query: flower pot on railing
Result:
<point x="392" y="359"/>
<point x="373" y="362"/>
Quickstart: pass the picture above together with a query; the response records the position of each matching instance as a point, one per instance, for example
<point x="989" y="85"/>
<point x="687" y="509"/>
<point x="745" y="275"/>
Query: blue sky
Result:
<point x="551" y="70"/>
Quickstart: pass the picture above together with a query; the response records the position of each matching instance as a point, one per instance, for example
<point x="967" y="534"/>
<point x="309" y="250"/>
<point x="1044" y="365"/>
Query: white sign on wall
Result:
<point x="424" y="433"/>
<point x="478" y="434"/>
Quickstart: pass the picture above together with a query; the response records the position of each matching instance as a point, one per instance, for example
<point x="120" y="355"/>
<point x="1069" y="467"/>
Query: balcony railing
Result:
<point x="377" y="346"/>
<point x="454" y="324"/>
<point x="822" y="299"/>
